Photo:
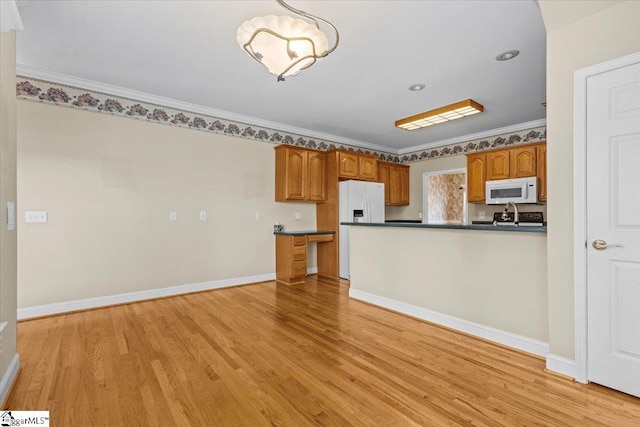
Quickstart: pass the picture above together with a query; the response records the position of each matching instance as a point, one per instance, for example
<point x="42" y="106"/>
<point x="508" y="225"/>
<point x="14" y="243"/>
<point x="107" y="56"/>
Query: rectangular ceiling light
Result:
<point x="440" y="115"/>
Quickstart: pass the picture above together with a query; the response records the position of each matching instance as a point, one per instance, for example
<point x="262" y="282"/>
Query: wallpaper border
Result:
<point x="48" y="92"/>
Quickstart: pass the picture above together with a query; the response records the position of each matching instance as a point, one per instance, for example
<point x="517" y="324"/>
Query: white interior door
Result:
<point x="613" y="228"/>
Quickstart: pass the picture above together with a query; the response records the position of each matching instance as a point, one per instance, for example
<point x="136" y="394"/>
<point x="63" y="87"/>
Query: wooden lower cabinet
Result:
<point x="291" y="258"/>
<point x="291" y="255"/>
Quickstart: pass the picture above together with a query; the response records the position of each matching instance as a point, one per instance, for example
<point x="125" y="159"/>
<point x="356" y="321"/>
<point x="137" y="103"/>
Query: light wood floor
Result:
<point x="269" y="354"/>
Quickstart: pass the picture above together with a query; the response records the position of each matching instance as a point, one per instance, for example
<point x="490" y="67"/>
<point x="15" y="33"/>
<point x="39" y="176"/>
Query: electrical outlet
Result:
<point x="480" y="214"/>
<point x="173" y="216"/>
<point x="203" y="216"/>
<point x="297" y="215"/>
<point x="419" y="215"/>
<point x="257" y="216"/>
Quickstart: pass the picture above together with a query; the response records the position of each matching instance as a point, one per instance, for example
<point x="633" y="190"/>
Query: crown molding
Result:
<point x="78" y="82"/>
<point x="473" y="136"/>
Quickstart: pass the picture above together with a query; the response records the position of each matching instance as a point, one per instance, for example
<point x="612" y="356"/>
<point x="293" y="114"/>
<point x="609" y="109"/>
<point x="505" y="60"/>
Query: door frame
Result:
<point x="425" y="187"/>
<point x="580" y="237"/>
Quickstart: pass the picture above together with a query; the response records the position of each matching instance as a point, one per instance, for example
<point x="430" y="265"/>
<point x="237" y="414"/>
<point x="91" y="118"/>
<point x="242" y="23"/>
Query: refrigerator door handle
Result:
<point x="366" y="209"/>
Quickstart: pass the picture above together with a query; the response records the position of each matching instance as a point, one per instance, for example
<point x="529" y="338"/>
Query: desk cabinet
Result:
<point x="291" y="254"/>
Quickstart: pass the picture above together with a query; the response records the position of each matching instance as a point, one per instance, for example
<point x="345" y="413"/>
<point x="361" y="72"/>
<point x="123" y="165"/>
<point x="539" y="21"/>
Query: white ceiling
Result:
<point x="186" y="50"/>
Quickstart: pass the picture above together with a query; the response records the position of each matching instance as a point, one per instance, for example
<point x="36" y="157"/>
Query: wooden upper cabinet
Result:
<point x="367" y="167"/>
<point x="523" y="162"/>
<point x="359" y="166"/>
<point x="541" y="166"/>
<point x="476" y="177"/>
<point x="517" y="162"/>
<point x="316" y="171"/>
<point x="347" y="164"/>
<point x="498" y="165"/>
<point x="300" y="174"/>
<point x="395" y="178"/>
<point x="295" y="174"/>
<point x="383" y="177"/>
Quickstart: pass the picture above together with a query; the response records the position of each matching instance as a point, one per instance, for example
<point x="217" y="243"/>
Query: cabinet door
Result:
<point x="347" y="165"/>
<point x="316" y="176"/>
<point x="476" y="177"/>
<point x="383" y="177"/>
<point x="541" y="160"/>
<point x="523" y="162"/>
<point x="296" y="174"/>
<point x="394" y="185"/>
<point x="398" y="185"/>
<point x="368" y="168"/>
<point x="498" y="165"/>
<point x="404" y="186"/>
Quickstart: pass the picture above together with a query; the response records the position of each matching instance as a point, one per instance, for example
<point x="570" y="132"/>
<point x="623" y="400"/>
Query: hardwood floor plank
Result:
<point x="276" y="355"/>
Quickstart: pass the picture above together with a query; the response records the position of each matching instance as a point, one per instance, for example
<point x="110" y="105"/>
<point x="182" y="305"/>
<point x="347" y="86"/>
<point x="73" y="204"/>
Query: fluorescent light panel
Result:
<point x="440" y="115"/>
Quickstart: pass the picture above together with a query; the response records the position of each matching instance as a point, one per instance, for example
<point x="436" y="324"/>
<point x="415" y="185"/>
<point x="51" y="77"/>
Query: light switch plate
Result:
<point x="173" y="216"/>
<point x="35" y="216"/>
<point x="203" y="216"/>
<point x="297" y="215"/>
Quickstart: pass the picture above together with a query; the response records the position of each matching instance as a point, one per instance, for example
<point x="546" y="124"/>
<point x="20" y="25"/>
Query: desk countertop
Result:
<point x="303" y="232"/>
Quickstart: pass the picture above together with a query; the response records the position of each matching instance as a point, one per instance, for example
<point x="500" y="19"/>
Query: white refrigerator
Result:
<point x="359" y="201"/>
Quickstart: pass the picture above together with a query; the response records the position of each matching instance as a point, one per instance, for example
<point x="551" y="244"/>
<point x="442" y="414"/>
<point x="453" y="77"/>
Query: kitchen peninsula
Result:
<point x="486" y="280"/>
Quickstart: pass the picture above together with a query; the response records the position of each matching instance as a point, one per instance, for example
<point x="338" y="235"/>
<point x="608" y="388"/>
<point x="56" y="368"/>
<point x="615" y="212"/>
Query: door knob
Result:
<point x="601" y="245"/>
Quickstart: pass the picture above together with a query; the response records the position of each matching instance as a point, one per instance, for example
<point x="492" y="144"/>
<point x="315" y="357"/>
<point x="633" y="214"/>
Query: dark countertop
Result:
<point x="303" y="232"/>
<point x="483" y="227"/>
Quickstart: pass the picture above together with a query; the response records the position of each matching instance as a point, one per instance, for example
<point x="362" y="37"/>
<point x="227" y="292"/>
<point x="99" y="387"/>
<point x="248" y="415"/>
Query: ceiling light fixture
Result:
<point x="440" y="115"/>
<point x="283" y="44"/>
<point x="510" y="54"/>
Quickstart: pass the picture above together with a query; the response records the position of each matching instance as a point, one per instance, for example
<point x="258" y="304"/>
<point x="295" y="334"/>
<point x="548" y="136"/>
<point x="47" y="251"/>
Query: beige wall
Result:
<point x="108" y="185"/>
<point x="600" y="36"/>
<point x="7" y="193"/>
<point x="494" y="278"/>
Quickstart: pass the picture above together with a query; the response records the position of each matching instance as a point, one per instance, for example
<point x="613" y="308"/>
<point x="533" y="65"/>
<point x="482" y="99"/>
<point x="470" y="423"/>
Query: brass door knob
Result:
<point x="601" y="245"/>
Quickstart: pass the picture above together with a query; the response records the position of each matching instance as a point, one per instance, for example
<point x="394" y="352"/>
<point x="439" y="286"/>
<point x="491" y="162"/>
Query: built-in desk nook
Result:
<point x="291" y="253"/>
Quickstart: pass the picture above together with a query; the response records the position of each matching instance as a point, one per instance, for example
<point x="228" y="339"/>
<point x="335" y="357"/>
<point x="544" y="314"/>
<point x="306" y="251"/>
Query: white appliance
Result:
<point x="359" y="202"/>
<point x="519" y="190"/>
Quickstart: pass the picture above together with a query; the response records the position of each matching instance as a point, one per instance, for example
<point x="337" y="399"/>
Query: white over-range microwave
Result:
<point x="519" y="190"/>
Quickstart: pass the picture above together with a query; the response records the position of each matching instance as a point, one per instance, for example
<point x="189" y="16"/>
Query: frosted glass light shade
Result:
<point x="282" y="44"/>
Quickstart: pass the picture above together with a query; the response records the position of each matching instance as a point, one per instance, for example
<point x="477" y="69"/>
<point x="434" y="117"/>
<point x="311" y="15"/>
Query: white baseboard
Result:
<point x="8" y="378"/>
<point x="84" y="304"/>
<point x="509" y="339"/>
<point x="561" y="365"/>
